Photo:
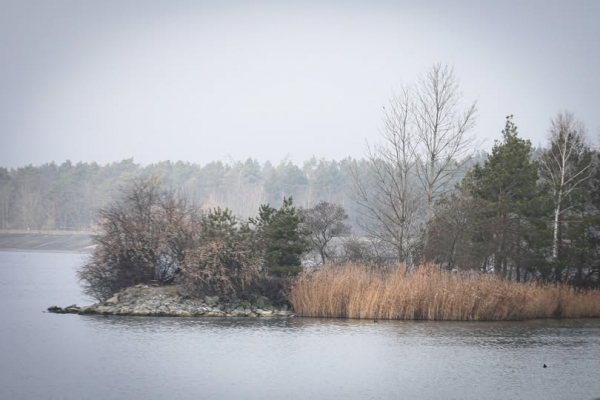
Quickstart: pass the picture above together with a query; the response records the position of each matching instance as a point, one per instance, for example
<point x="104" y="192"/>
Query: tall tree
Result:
<point x="507" y="184"/>
<point x="566" y="164"/>
<point x="443" y="129"/>
<point x="386" y="195"/>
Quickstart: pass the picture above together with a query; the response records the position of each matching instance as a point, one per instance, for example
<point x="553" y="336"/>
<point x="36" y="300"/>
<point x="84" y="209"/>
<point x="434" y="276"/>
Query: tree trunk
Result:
<point x="555" y="228"/>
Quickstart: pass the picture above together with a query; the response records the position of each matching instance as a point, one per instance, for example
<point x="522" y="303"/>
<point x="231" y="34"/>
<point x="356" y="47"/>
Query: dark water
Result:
<point x="48" y="356"/>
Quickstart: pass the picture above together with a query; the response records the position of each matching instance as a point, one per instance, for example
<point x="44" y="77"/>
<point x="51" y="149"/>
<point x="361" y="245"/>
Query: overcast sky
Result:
<point x="202" y="81"/>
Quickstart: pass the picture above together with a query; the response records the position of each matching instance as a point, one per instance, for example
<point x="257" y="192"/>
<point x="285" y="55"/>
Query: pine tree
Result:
<point x="281" y="238"/>
<point x="507" y="185"/>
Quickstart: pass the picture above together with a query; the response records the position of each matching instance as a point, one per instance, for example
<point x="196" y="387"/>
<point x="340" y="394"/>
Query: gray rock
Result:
<point x="113" y="300"/>
<point x="103" y="310"/>
<point x="260" y="302"/>
<point x="283" y="313"/>
<point x="215" y="314"/>
<point x="264" y="313"/>
<point x="166" y="301"/>
<point x="211" y="300"/>
<point x="182" y="313"/>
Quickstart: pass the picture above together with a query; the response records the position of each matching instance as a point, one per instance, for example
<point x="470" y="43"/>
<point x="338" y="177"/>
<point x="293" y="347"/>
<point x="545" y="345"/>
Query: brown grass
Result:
<point x="358" y="291"/>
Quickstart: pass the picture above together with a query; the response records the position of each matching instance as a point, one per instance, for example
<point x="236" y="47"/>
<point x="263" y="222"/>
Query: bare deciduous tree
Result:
<point x="566" y="163"/>
<point x="324" y="222"/>
<point x="426" y="142"/>
<point x="389" y="201"/>
<point x="369" y="251"/>
<point x="443" y="131"/>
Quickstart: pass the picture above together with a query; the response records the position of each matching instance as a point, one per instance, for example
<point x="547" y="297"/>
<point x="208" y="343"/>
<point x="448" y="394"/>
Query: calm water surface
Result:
<point x="48" y="356"/>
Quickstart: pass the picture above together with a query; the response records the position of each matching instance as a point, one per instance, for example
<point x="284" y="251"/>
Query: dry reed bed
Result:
<point x="358" y="291"/>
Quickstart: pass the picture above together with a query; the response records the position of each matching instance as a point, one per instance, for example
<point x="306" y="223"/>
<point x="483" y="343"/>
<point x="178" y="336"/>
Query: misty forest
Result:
<point x="425" y="226"/>
<point x="424" y="193"/>
<point x="342" y="200"/>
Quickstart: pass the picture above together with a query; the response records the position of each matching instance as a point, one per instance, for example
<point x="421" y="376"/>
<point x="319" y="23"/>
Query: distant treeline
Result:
<point x="67" y="196"/>
<point x="421" y="195"/>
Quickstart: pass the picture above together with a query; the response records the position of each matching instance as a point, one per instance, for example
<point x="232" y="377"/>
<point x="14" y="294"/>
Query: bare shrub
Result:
<point x="367" y="251"/>
<point x="143" y="236"/>
<point x="218" y="267"/>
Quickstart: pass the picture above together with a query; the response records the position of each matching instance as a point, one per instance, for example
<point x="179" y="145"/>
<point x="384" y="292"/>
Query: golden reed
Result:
<point x="359" y="291"/>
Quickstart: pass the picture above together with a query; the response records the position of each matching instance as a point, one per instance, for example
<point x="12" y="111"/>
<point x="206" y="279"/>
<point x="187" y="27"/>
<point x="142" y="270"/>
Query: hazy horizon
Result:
<point x="205" y="81"/>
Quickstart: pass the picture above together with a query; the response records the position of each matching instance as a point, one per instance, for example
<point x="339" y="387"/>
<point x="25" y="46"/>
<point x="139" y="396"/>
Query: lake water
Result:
<point x="49" y="356"/>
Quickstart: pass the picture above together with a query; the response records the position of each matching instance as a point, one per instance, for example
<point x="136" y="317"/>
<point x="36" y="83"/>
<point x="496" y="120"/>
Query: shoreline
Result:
<point x="167" y="301"/>
<point x="46" y="232"/>
<point x="46" y="241"/>
<point x="20" y="250"/>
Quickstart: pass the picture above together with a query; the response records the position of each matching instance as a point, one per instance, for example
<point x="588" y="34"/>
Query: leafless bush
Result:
<point x="219" y="266"/>
<point x="368" y="251"/>
<point x="143" y="236"/>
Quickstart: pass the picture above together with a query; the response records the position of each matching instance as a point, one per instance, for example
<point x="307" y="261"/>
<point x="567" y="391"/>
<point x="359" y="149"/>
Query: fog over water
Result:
<point x="201" y="81"/>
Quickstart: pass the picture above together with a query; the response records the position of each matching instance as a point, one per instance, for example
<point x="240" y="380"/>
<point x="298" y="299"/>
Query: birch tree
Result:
<point x="566" y="164"/>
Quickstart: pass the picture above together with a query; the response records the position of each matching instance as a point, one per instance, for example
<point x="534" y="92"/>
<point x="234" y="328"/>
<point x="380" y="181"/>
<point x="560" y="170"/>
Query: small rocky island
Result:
<point x="167" y="301"/>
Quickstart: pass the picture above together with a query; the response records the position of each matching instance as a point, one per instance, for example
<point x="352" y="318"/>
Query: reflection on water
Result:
<point x="70" y="356"/>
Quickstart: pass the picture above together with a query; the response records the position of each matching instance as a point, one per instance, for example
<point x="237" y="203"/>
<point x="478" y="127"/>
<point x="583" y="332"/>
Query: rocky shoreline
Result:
<point x="166" y="301"/>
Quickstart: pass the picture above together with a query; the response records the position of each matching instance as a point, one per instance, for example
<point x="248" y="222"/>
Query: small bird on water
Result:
<point x="545" y="366"/>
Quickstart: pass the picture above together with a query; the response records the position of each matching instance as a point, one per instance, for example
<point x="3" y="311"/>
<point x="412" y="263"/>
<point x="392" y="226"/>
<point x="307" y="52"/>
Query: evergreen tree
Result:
<point x="280" y="238"/>
<point x="220" y="224"/>
<point x="507" y="185"/>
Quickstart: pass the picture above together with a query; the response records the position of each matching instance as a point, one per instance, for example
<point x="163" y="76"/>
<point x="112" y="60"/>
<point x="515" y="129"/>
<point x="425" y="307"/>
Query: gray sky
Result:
<point x="202" y="81"/>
